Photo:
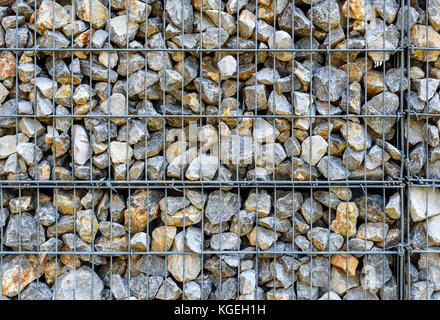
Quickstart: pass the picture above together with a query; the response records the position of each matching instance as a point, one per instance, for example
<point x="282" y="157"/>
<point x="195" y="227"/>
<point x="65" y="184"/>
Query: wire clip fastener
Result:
<point x="404" y="247"/>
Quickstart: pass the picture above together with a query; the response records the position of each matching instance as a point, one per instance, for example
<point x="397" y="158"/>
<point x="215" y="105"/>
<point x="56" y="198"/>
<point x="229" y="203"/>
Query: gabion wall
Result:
<point x="208" y="149"/>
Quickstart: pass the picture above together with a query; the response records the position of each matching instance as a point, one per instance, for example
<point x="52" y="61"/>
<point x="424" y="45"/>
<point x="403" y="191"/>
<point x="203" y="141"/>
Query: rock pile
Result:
<point x="423" y="272"/>
<point x="188" y="232"/>
<point x="421" y="133"/>
<point x="150" y="92"/>
<point x="142" y="113"/>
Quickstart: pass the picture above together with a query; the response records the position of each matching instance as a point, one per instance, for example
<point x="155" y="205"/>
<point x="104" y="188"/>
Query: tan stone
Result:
<point x="66" y="202"/>
<point x="279" y="294"/>
<point x="355" y="73"/>
<point x="183" y="267"/>
<point x="44" y="172"/>
<point x="266" y="237"/>
<point x="69" y="259"/>
<point x="112" y="244"/>
<point x="136" y="219"/>
<point x="160" y="242"/>
<point x="425" y="36"/>
<point x="339" y="225"/>
<point x="357" y="138"/>
<point x="266" y="13"/>
<point x="340" y="261"/>
<point x="46" y="15"/>
<point x="62" y="144"/>
<point x="356" y="9"/>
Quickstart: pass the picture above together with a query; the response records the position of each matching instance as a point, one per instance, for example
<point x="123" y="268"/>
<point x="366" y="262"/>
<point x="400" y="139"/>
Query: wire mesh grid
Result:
<point x="203" y="150"/>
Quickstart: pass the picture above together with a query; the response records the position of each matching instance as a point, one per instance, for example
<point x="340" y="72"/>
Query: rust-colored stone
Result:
<point x="7" y="65"/>
<point x="375" y="83"/>
<point x="340" y="261"/>
<point x="20" y="270"/>
<point x="356" y="9"/>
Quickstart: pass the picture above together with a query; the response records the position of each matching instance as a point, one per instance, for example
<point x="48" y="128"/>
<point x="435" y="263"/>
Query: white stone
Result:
<point x="423" y="202"/>
<point x="175" y="261"/>
<point x="278" y="104"/>
<point x="80" y="145"/>
<point x="317" y="150"/>
<point x="267" y="76"/>
<point x="30" y="127"/>
<point x="47" y="86"/>
<point x="116" y="105"/>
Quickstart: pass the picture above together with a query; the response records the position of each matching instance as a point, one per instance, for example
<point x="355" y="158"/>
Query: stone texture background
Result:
<point x="180" y="149"/>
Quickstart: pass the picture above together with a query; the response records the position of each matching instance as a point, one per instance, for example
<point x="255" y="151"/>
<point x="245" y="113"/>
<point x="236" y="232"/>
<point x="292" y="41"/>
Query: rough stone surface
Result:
<point x="254" y="147"/>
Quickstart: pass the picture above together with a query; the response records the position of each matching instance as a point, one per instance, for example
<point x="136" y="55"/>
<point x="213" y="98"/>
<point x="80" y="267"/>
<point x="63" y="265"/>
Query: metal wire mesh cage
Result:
<point x="208" y="149"/>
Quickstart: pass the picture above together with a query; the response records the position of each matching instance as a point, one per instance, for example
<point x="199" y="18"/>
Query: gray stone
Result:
<point x="152" y="265"/>
<point x="227" y="290"/>
<point x="23" y="233"/>
<point x="79" y="284"/>
<point x="181" y="13"/>
<point x="145" y="288"/>
<point x="214" y="38"/>
<point x="287" y="204"/>
<point x="111" y="229"/>
<point x="425" y="88"/>
<point x="378" y="35"/>
<point x="194" y="239"/>
<point x="30" y="152"/>
<point x="227" y="67"/>
<point x="339" y="283"/>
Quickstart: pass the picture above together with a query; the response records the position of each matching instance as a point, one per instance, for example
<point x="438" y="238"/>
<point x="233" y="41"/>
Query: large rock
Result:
<point x="79" y="284"/>
<point x="329" y="83"/>
<point x="81" y="152"/>
<point x="92" y="11"/>
<point x="426" y="37"/>
<point x="423" y="203"/>
<point x="18" y="271"/>
<point x="313" y="149"/>
<point x="183" y="267"/>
